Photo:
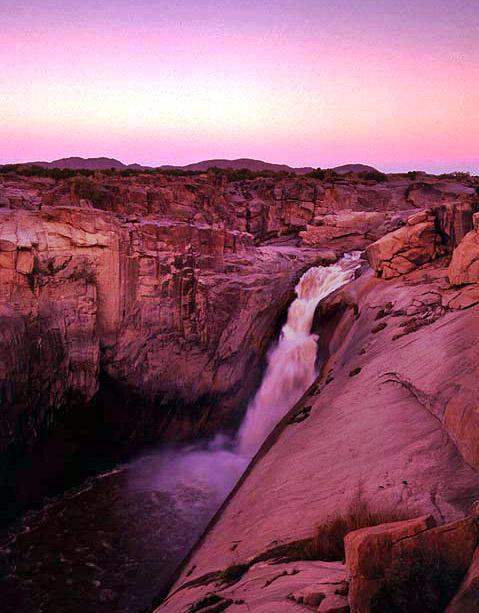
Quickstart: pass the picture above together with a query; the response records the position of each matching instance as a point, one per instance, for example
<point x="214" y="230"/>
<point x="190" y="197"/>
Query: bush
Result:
<point x="39" y="171"/>
<point x="417" y="582"/>
<point x="328" y="542"/>
<point x="85" y="188"/>
<point x="318" y="173"/>
<point x="373" y="175"/>
<point x="233" y="573"/>
<point x="323" y="174"/>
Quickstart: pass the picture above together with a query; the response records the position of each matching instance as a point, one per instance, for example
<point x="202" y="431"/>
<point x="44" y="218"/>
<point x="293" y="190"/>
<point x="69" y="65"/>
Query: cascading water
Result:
<point x="215" y="468"/>
<point x="291" y="364"/>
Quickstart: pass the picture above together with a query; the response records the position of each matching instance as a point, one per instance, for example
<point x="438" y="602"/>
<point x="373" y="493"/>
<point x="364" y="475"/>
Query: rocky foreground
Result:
<point x="153" y="300"/>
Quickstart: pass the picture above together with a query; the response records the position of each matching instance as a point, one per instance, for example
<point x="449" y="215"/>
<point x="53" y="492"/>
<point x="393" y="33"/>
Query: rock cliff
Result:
<point x="158" y="297"/>
<point x="389" y="433"/>
<point x="122" y="279"/>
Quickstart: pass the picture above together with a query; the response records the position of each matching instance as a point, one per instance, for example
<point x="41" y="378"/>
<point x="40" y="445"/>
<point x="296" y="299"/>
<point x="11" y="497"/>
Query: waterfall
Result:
<point x="291" y="364"/>
<point x="214" y="469"/>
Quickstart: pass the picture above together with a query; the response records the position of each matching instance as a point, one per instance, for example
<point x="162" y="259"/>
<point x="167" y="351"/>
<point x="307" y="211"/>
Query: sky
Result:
<point x="303" y="82"/>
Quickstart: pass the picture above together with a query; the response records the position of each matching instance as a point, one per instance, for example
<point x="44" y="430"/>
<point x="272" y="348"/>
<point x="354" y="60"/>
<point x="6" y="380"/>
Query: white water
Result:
<point x="214" y="469"/>
<point x="291" y="364"/>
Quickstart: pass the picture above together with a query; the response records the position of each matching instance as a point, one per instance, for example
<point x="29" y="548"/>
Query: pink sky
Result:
<point x="308" y="82"/>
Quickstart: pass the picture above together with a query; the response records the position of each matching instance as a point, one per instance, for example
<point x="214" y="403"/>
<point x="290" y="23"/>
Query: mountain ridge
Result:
<point x="106" y="163"/>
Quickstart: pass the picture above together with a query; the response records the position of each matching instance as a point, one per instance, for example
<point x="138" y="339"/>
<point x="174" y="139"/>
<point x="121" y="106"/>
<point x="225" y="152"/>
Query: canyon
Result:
<point x="148" y="304"/>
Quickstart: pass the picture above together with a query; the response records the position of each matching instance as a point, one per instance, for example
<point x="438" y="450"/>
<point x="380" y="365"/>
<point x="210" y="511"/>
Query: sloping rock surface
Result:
<point x="384" y="437"/>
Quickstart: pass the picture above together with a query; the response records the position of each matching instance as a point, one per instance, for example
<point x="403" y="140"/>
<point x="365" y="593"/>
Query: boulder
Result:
<point x="405" y="249"/>
<point x="464" y="266"/>
<point x="380" y="557"/>
<point x="334" y="604"/>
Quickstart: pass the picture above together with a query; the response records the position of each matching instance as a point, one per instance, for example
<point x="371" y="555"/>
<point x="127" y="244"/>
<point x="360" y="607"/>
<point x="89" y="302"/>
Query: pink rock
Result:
<point x="464" y="266"/>
<point x="334" y="604"/>
<point x="405" y="249"/>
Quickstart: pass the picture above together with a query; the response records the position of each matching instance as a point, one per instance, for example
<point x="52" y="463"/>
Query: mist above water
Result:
<point x="213" y="468"/>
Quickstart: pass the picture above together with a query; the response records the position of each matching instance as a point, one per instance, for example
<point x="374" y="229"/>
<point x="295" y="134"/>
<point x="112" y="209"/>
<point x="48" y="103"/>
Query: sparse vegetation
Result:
<point x="458" y="175"/>
<point x="39" y="171"/>
<point x="231" y="174"/>
<point x="244" y="174"/>
<point x="373" y="175"/>
<point x="418" y="582"/>
<point x="233" y="573"/>
<point x="323" y="174"/>
<point x="85" y="188"/>
<point x="328" y="542"/>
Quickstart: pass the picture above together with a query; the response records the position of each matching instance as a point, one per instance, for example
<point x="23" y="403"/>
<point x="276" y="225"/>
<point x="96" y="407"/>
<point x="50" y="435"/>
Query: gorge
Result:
<point x="140" y="376"/>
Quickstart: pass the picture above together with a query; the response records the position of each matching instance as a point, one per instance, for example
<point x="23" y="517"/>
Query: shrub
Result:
<point x="323" y="174"/>
<point x="373" y="175"/>
<point x="85" y="188"/>
<point x="31" y="170"/>
<point x="418" y="582"/>
<point x="318" y="173"/>
<point x="233" y="573"/>
<point x="328" y="542"/>
<point x="458" y="175"/>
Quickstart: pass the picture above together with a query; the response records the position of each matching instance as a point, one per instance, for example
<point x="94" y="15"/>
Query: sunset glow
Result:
<point x="304" y="82"/>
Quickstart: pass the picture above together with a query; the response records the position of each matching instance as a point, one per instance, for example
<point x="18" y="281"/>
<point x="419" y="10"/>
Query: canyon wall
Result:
<point x="168" y="290"/>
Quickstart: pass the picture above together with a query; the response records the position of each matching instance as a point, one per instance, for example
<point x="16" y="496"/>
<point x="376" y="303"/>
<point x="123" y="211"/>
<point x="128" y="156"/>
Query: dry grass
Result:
<point x="328" y="542"/>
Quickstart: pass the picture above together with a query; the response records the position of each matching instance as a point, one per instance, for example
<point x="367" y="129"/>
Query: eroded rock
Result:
<point x="405" y="249"/>
<point x="464" y="266"/>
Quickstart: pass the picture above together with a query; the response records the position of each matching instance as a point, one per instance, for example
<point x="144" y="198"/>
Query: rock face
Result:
<point x="121" y="278"/>
<point x="351" y="229"/>
<point x="398" y="357"/>
<point x="82" y="292"/>
<point x="376" y="556"/>
<point x="405" y="249"/>
<point x="164" y="293"/>
<point x="464" y="267"/>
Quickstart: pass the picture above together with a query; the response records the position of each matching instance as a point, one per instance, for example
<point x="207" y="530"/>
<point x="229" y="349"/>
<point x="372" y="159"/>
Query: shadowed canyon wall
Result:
<point x="162" y="294"/>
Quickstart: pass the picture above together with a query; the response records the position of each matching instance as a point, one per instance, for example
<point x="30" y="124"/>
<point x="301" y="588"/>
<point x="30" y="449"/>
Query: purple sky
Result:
<point x="323" y="82"/>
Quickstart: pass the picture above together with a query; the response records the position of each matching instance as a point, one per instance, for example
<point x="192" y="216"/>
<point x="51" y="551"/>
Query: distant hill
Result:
<point x="104" y="163"/>
<point x="241" y="164"/>
<point x="345" y="168"/>
<point x="77" y="163"/>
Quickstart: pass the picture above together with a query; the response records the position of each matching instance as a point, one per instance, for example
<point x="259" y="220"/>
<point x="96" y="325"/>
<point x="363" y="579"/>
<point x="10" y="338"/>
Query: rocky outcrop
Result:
<point x="405" y="249"/>
<point x="350" y="230"/>
<point x="165" y="292"/>
<point x="119" y="278"/>
<point x="265" y="207"/>
<point x="388" y="559"/>
<point x="464" y="267"/>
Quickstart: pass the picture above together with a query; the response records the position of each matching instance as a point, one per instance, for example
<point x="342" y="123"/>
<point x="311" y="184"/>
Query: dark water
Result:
<point x="107" y="546"/>
<point x="113" y="544"/>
